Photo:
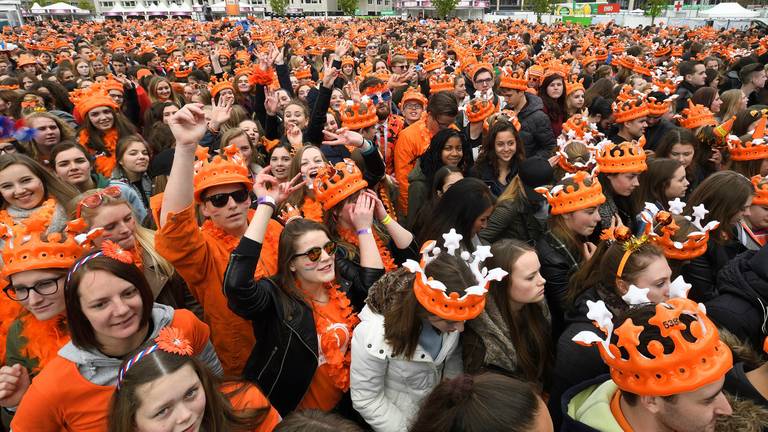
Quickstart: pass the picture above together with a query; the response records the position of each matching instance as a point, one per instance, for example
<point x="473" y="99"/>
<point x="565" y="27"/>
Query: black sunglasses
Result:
<point x="221" y="199"/>
<point x="316" y="252"/>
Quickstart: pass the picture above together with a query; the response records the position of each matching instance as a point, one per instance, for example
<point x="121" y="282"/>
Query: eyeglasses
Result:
<point x="221" y="199"/>
<point x="95" y="199"/>
<point x="44" y="288"/>
<point x="316" y="252"/>
<point x="380" y="97"/>
<point x="484" y="81"/>
<point x="399" y="66"/>
<point x="10" y="148"/>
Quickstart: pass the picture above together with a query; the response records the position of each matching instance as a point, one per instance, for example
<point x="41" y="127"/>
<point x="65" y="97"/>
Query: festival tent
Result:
<point x="729" y="10"/>
<point x="62" y="8"/>
<point x="37" y="9"/>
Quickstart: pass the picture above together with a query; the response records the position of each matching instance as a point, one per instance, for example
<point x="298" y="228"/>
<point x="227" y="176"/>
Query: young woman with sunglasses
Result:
<point x="220" y="189"/>
<point x="72" y="164"/>
<point x="110" y="314"/>
<point x="305" y="312"/>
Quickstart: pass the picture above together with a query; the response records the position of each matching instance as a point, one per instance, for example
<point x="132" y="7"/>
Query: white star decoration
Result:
<point x="636" y="296"/>
<point x="452" y="241"/>
<point x="699" y="213"/>
<point x="679" y="288"/>
<point x="676" y="206"/>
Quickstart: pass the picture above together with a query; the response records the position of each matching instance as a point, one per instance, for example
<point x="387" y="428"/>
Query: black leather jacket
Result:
<point x="285" y="357"/>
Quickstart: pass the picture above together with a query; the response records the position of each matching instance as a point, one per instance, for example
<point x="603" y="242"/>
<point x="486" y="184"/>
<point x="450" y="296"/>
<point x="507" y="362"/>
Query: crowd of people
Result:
<point x="387" y="225"/>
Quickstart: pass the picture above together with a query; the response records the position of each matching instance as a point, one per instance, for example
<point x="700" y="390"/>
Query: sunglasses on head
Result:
<point x="221" y="199"/>
<point x="316" y="252"/>
<point x="380" y="97"/>
<point x="95" y="199"/>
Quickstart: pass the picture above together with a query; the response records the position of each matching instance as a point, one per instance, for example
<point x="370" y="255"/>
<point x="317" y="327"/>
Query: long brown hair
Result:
<point x="52" y="185"/>
<point x="724" y="194"/>
<point x="219" y="415"/>
<point x="65" y="131"/>
<point x="403" y="320"/>
<point x="488" y="150"/>
<point x="655" y="181"/>
<point x="95" y="141"/>
<point x="529" y="329"/>
<point x="296" y="199"/>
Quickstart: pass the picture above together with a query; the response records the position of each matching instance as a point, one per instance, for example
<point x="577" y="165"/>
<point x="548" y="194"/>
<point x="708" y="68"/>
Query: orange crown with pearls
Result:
<point x="438" y="83"/>
<point x="219" y="171"/>
<point x="661" y="228"/>
<point x="627" y="157"/>
<point x="217" y="85"/>
<point x="479" y="109"/>
<point x="333" y="184"/>
<point x="695" y="116"/>
<point x="359" y="115"/>
<point x="573" y="197"/>
<point x="754" y="149"/>
<point x="761" y="190"/>
<point x="514" y="80"/>
<point x="630" y="109"/>
<point x="699" y="357"/>
<point x="432" y="294"/>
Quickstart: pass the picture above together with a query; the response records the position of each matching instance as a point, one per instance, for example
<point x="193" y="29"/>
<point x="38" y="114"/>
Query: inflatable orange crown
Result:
<point x="698" y="359"/>
<point x="627" y="157"/>
<point x="217" y="85"/>
<point x="579" y="128"/>
<point x="479" y="109"/>
<point x="335" y="183"/>
<point x="761" y="191"/>
<point x="431" y="293"/>
<point x="303" y="73"/>
<point x="438" y="83"/>
<point x="573" y="85"/>
<point x="514" y="80"/>
<point x="219" y="171"/>
<point x="754" y="149"/>
<point x="413" y="95"/>
<point x="631" y="109"/>
<point x="659" y="220"/>
<point x="578" y="196"/>
<point x="695" y="116"/>
<point x="357" y="116"/>
<point x="659" y="108"/>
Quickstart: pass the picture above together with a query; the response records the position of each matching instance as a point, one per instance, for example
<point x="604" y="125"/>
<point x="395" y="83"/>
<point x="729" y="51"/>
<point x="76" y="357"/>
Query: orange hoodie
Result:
<point x="412" y="142"/>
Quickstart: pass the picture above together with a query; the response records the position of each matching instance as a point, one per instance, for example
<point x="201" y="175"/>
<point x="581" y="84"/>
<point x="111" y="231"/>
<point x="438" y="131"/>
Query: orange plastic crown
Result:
<point x="219" y="171"/>
<point x="627" y="157"/>
<point x="629" y="110"/>
<point x="432" y="64"/>
<point x="28" y="247"/>
<point x="664" y="85"/>
<point x="217" y="85"/>
<point x="695" y="116"/>
<point x="473" y="69"/>
<point x="662" y="50"/>
<point x="556" y="67"/>
<point x="413" y="95"/>
<point x="578" y="127"/>
<point x="761" y="190"/>
<point x="754" y="149"/>
<point x="357" y="116"/>
<point x="573" y="86"/>
<point x="587" y="59"/>
<point x="691" y="365"/>
<point x="514" y="80"/>
<point x="438" y="83"/>
<point x="659" y="108"/>
<point x="431" y="293"/>
<point x="661" y="228"/>
<point x="578" y="196"/>
<point x="335" y="183"/>
<point x="303" y="73"/>
<point x="379" y="88"/>
<point x="479" y="109"/>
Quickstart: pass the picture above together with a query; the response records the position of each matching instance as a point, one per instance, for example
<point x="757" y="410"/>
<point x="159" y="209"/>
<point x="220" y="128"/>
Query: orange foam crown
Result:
<point x="335" y="183"/>
<point x="754" y="149"/>
<point x="217" y="85"/>
<point x="431" y="293"/>
<point x="627" y="157"/>
<point x="630" y="109"/>
<point x="479" y="109"/>
<point x="438" y="83"/>
<point x="514" y="80"/>
<point x="662" y="221"/>
<point x="761" y="191"/>
<point x="695" y="116"/>
<point x="219" y="171"/>
<point x="578" y="196"/>
<point x="691" y="365"/>
<point x="356" y="116"/>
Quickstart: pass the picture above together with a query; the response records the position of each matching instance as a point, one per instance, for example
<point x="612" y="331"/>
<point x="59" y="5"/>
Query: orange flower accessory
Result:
<point x="479" y="109"/>
<point x="87" y="99"/>
<point x="695" y="116"/>
<point x="661" y="228"/>
<point x="631" y="109"/>
<point x="431" y="293"/>
<point x="413" y="95"/>
<point x="699" y="356"/>
<point x="169" y="339"/>
<point x="335" y="183"/>
<point x="761" y="190"/>
<point x="114" y="251"/>
<point x="439" y="83"/>
<point x="627" y="157"/>
<point x="356" y="116"/>
<point x="515" y="80"/>
<point x="219" y="171"/>
<point x="754" y="149"/>
<point x="569" y="198"/>
<point x="260" y="76"/>
<point x="217" y="85"/>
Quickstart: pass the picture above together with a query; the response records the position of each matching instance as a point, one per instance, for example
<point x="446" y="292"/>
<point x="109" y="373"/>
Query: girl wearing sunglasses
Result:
<point x="304" y="315"/>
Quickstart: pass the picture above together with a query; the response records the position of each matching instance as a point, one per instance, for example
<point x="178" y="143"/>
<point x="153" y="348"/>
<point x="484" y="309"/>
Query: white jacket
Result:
<point x="388" y="391"/>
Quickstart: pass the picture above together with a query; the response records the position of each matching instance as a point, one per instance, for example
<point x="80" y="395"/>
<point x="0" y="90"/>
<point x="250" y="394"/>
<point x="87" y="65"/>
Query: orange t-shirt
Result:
<point x="251" y="397"/>
<point x="412" y="142"/>
<point x="61" y="399"/>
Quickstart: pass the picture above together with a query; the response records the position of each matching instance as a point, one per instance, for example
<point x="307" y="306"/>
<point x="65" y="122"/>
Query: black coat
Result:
<point x="286" y="355"/>
<point x="536" y="128"/>
<point x="514" y="218"/>
<point x="484" y="171"/>
<point x="702" y="271"/>
<point x="557" y="266"/>
<point x="742" y="306"/>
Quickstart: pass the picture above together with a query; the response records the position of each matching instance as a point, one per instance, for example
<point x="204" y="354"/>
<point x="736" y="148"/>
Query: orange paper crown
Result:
<point x="627" y="157"/>
<point x="413" y="95"/>
<point x="438" y="83"/>
<point x="514" y="80"/>
<point x="695" y="116"/>
<point x="219" y="171"/>
<point x="761" y="191"/>
<point x="691" y="365"/>
<point x="217" y="85"/>
<point x="479" y="109"/>
<point x="629" y="110"/>
<point x="754" y="149"/>
<point x="356" y="116"/>
<point x="661" y="228"/>
<point x="578" y="196"/>
<point x="335" y="183"/>
<point x="432" y="294"/>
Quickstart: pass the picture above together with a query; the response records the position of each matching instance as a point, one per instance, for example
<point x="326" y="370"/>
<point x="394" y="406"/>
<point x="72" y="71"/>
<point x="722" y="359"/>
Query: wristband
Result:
<point x="367" y="147"/>
<point x="387" y="220"/>
<point x="364" y="231"/>
<point x="268" y="201"/>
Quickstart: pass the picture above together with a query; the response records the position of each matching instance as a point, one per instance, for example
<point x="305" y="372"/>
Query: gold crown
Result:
<point x="631" y="109"/>
<point x="577" y="196"/>
<point x="438" y="83"/>
<point x="335" y="183"/>
<point x="359" y="115"/>
<point x="627" y="157"/>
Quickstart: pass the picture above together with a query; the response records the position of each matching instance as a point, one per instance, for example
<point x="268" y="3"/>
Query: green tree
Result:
<point x="654" y="8"/>
<point x="85" y="4"/>
<point x="278" y="6"/>
<point x="444" y="7"/>
<point x="347" y="6"/>
<point x="540" y="7"/>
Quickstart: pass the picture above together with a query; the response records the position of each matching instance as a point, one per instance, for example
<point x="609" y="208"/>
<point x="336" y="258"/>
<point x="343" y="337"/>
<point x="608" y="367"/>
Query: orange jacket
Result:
<point x="251" y="398"/>
<point x="79" y="405"/>
<point x="201" y="260"/>
<point x="412" y="142"/>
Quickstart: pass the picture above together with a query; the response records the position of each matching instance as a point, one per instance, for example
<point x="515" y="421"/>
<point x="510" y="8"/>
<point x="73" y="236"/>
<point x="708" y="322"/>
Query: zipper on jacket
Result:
<point x="269" y="360"/>
<point x="282" y="363"/>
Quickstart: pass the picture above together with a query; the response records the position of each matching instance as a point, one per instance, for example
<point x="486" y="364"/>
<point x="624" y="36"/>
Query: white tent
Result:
<point x="62" y="8"/>
<point x="36" y="8"/>
<point x="729" y="10"/>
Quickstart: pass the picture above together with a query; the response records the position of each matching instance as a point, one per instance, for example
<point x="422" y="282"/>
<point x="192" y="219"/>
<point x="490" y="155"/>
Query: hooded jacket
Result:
<point x="742" y="304"/>
<point x="386" y="390"/>
<point x="535" y="128"/>
<point x="90" y="377"/>
<point x="587" y="407"/>
<point x="514" y="219"/>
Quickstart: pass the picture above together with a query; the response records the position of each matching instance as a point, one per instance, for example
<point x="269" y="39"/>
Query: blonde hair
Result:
<point x="66" y="132"/>
<point x="730" y="99"/>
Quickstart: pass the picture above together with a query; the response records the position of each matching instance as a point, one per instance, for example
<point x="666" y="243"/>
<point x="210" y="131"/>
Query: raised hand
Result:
<point x="276" y="55"/>
<point x="342" y="47"/>
<point x="362" y="214"/>
<point x="267" y="185"/>
<point x="221" y="112"/>
<point x="353" y="90"/>
<point x="330" y="74"/>
<point x="294" y="135"/>
<point x="188" y="125"/>
<point x="380" y="211"/>
<point x="343" y="136"/>
<point x="14" y="382"/>
<point x="270" y="101"/>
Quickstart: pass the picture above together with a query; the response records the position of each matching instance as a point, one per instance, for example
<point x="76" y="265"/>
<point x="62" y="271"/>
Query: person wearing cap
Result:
<point x="660" y="392"/>
<point x="200" y="254"/>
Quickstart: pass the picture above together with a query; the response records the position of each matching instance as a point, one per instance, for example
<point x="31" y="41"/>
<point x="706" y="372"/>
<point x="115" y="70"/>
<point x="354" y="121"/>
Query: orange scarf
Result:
<point x="351" y="238"/>
<point x="43" y="338"/>
<point x="45" y="211"/>
<point x="312" y="209"/>
<point x="104" y="162"/>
